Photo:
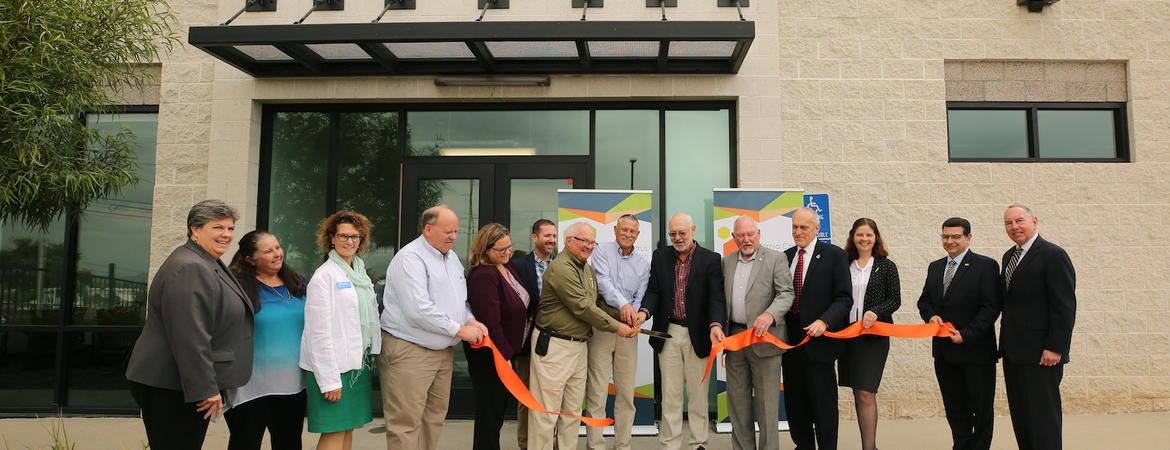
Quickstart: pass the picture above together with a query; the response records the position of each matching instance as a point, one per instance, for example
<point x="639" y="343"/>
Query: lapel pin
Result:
<point x="817" y="257"/>
<point x="966" y="264"/>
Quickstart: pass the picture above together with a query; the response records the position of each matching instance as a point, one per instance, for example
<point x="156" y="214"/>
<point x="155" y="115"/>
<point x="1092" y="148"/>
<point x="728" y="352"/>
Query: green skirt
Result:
<point x="352" y="411"/>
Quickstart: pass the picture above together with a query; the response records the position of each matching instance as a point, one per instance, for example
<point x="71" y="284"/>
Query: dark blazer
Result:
<point x="704" y="298"/>
<point x="525" y="267"/>
<point x="972" y="305"/>
<point x="1040" y="306"/>
<point x="499" y="307"/>
<point x="883" y="294"/>
<point x="198" y="332"/>
<point x="826" y="294"/>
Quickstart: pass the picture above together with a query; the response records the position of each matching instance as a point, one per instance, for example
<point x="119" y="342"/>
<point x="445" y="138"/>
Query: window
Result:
<point x="1030" y="132"/>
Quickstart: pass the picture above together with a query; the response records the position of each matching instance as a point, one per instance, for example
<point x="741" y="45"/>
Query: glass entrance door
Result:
<point x="504" y="190"/>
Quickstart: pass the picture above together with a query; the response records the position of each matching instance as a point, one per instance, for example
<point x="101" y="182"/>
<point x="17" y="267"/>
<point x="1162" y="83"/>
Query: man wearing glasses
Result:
<point x="685" y="298"/>
<point x="425" y="314"/>
<point x="565" y="319"/>
<point x="622" y="275"/>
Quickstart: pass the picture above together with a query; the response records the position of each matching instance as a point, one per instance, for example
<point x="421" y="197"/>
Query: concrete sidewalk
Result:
<point x="1118" y="431"/>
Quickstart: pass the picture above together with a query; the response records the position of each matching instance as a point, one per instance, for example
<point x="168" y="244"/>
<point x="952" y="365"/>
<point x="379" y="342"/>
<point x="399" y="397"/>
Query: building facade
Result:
<point x="905" y="111"/>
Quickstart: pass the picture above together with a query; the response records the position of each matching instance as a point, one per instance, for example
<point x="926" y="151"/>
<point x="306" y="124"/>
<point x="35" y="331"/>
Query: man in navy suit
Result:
<point x="963" y="289"/>
<point x="531" y="268"/>
<point x="1039" y="308"/>
<point x="823" y="296"/>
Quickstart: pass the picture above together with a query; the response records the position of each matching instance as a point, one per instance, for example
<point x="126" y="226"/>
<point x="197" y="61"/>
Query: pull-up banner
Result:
<point x="601" y="210"/>
<point x="773" y="209"/>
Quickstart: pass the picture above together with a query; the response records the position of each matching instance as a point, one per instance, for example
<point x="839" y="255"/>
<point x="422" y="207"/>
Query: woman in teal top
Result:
<point x="341" y="332"/>
<point x="274" y="398"/>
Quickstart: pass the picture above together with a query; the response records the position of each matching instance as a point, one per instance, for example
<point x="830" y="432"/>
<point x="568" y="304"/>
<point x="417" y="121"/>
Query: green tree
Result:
<point x="58" y="60"/>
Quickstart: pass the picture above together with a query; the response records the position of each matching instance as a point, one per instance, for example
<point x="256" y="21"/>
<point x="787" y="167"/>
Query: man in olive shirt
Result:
<point x="568" y="311"/>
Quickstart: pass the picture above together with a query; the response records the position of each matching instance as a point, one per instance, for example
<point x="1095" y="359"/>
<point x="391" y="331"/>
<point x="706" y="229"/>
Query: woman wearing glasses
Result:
<point x="499" y="301"/>
<point x="341" y="332"/>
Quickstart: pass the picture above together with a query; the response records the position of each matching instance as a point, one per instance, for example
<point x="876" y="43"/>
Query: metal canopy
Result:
<point x="479" y="48"/>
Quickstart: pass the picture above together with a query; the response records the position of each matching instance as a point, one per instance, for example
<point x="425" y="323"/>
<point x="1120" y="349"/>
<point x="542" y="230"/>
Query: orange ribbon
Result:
<point x="746" y="338"/>
<point x="521" y="392"/>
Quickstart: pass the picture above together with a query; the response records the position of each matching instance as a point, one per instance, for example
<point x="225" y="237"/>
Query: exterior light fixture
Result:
<point x="1035" y="5"/>
<point x="494" y="80"/>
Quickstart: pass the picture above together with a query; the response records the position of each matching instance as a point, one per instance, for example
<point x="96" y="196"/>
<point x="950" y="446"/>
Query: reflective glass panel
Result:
<point x="701" y="49"/>
<point x="624" y="49"/>
<point x="114" y="236"/>
<point x="532" y="199"/>
<point x="1076" y="134"/>
<point x="697" y="160"/>
<point x="988" y="133"/>
<point x="462" y="195"/>
<point x="300" y="162"/>
<point x="498" y="133"/>
<point x="32" y="274"/>
<point x="263" y="53"/>
<point x="27" y="367"/>
<point x="367" y="182"/>
<point x="96" y="372"/>
<point x="624" y="135"/>
<point x="430" y="50"/>
<point x="526" y="49"/>
<point x="346" y="51"/>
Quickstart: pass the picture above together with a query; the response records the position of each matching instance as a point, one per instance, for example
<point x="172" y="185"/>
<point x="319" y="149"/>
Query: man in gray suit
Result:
<point x="758" y="288"/>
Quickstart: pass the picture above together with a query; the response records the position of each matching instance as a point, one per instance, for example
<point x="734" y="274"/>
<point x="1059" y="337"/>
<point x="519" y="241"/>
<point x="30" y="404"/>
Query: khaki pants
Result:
<point x="682" y="369"/>
<point x="608" y="354"/>
<point x="416" y="390"/>
<point x="558" y="383"/>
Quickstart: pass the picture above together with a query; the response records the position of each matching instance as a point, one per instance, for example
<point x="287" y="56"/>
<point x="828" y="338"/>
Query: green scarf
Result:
<point x="361" y="284"/>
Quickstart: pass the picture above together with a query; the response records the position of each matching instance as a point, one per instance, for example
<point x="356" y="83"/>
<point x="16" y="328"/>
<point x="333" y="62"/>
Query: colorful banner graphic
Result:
<point x="773" y="209"/>
<point x="601" y="210"/>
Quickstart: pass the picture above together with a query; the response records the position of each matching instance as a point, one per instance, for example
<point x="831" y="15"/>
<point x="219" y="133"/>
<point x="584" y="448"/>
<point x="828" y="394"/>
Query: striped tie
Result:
<point x="948" y="276"/>
<point x="798" y="281"/>
<point x="1011" y="267"/>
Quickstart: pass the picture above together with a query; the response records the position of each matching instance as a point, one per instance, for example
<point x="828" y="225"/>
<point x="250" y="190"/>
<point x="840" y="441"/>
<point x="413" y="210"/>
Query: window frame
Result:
<point x="1032" y="109"/>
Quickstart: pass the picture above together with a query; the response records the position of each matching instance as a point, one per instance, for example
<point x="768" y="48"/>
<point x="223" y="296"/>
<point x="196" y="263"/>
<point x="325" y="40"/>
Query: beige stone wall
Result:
<point x="863" y="112"/>
<point x="846" y="97"/>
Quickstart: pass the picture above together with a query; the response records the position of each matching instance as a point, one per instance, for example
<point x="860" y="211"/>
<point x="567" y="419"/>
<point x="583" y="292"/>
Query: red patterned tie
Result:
<point x="798" y="281"/>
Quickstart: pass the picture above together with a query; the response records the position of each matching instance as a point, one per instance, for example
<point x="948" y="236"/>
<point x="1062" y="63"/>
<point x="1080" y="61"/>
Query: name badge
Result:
<point x="344" y="285"/>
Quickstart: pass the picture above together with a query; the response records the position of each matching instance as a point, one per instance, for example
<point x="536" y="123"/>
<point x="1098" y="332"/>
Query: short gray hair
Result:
<point x="575" y="228"/>
<point x="207" y="211"/>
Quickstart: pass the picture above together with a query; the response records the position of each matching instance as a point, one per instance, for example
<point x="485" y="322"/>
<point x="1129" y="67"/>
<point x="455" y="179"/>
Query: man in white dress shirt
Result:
<point x="622" y="275"/>
<point x="425" y="315"/>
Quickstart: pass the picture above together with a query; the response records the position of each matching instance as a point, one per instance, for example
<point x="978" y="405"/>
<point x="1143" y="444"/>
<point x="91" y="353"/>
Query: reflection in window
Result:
<point x="367" y="182"/>
<point x="498" y="133"/>
<point x="27" y="370"/>
<point x="697" y="161"/>
<point x="111" y="282"/>
<point x="623" y="135"/>
<point x="462" y="196"/>
<point x="300" y="161"/>
<point x="992" y="133"/>
<point x="32" y="274"/>
<point x="96" y="372"/>
<point x="1039" y="131"/>
<point x="1076" y="134"/>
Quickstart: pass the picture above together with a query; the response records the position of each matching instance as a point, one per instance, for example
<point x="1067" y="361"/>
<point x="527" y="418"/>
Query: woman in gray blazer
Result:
<point x="197" y="341"/>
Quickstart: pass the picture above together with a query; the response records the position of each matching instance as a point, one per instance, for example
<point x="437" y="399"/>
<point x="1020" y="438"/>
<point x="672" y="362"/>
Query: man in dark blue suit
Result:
<point x="531" y="268"/>
<point x="1039" y="308"/>
<point x="823" y="295"/>
<point x="963" y="289"/>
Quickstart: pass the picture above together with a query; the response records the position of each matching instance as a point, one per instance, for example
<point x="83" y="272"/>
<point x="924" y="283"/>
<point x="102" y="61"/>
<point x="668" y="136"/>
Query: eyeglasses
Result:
<point x="501" y="250"/>
<point x="349" y="237"/>
<point x="585" y="242"/>
<point x="953" y="237"/>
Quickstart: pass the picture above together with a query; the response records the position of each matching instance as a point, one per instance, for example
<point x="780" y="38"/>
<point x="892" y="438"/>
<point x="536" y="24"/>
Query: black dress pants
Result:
<point x="491" y="397"/>
<point x="1033" y="395"/>
<point x="282" y="415"/>
<point x="810" y="400"/>
<point x="968" y="393"/>
<point x="171" y="423"/>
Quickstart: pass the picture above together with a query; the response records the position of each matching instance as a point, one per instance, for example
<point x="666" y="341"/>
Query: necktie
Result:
<point x="1011" y="267"/>
<point x="798" y="281"/>
<point x="950" y="273"/>
<point x="540" y="267"/>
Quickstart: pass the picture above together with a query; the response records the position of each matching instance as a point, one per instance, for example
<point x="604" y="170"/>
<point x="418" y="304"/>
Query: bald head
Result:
<point x="440" y="227"/>
<point x="682" y="231"/>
